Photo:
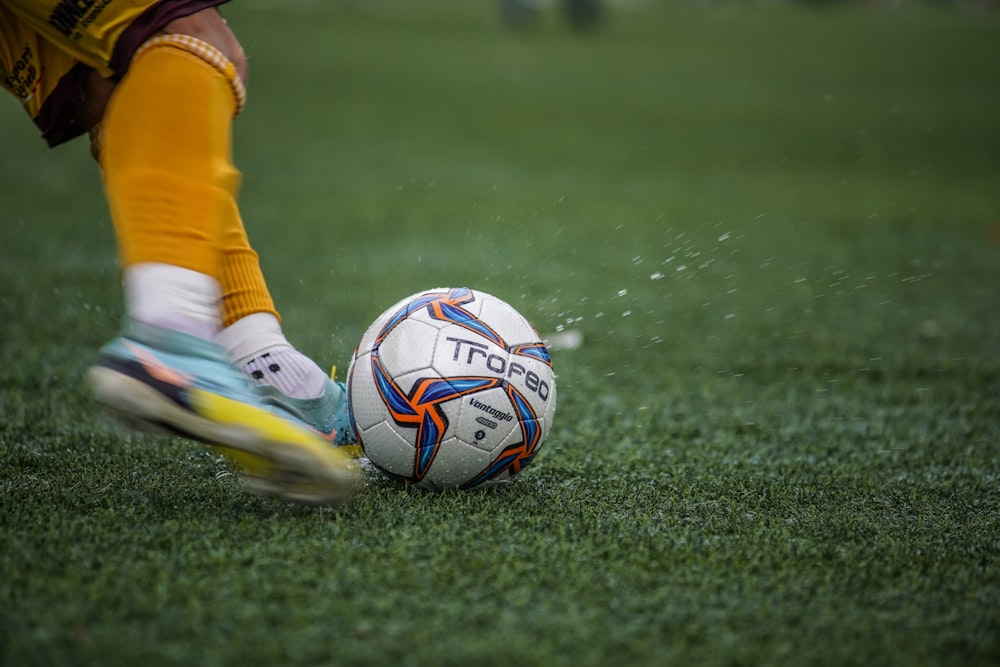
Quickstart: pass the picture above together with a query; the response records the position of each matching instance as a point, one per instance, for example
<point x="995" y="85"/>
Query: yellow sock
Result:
<point x="166" y="154"/>
<point x="244" y="291"/>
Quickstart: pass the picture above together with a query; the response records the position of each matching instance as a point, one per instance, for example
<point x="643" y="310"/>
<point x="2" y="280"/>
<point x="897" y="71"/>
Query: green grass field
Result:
<point x="778" y="230"/>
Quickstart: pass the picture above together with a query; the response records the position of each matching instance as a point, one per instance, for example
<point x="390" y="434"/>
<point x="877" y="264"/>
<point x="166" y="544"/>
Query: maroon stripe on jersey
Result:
<point x="148" y="24"/>
<point x="57" y="118"/>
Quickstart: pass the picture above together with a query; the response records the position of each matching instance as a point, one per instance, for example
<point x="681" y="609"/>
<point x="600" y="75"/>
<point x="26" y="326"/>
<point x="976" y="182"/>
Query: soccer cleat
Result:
<point x="158" y="380"/>
<point x="327" y="414"/>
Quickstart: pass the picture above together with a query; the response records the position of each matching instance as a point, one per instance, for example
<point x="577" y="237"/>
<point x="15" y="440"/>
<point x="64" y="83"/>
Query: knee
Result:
<point x="239" y="59"/>
<point x="209" y="26"/>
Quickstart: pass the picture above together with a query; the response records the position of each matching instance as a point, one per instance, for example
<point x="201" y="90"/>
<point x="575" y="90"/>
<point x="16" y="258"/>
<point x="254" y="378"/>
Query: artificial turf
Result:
<point x="777" y="228"/>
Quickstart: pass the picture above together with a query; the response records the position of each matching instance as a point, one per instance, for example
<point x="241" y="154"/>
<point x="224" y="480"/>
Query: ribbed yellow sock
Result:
<point x="244" y="291"/>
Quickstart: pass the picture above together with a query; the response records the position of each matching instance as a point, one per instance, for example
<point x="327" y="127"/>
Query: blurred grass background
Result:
<point x="776" y="225"/>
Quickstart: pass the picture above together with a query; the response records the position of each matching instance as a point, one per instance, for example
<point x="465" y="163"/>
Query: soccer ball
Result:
<point x="449" y="388"/>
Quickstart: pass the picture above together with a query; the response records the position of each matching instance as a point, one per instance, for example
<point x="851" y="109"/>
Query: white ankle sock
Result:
<point x="172" y="297"/>
<point x="259" y="348"/>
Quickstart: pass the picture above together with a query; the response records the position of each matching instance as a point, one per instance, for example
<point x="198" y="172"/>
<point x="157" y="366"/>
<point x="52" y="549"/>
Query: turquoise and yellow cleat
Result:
<point x="327" y="414"/>
<point x="157" y="380"/>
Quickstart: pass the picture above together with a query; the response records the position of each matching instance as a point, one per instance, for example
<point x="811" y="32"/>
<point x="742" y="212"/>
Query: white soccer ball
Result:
<point x="451" y="387"/>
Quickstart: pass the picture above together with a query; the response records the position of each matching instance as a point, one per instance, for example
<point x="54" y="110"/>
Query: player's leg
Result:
<point x="285" y="377"/>
<point x="168" y="174"/>
<point x="165" y="156"/>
